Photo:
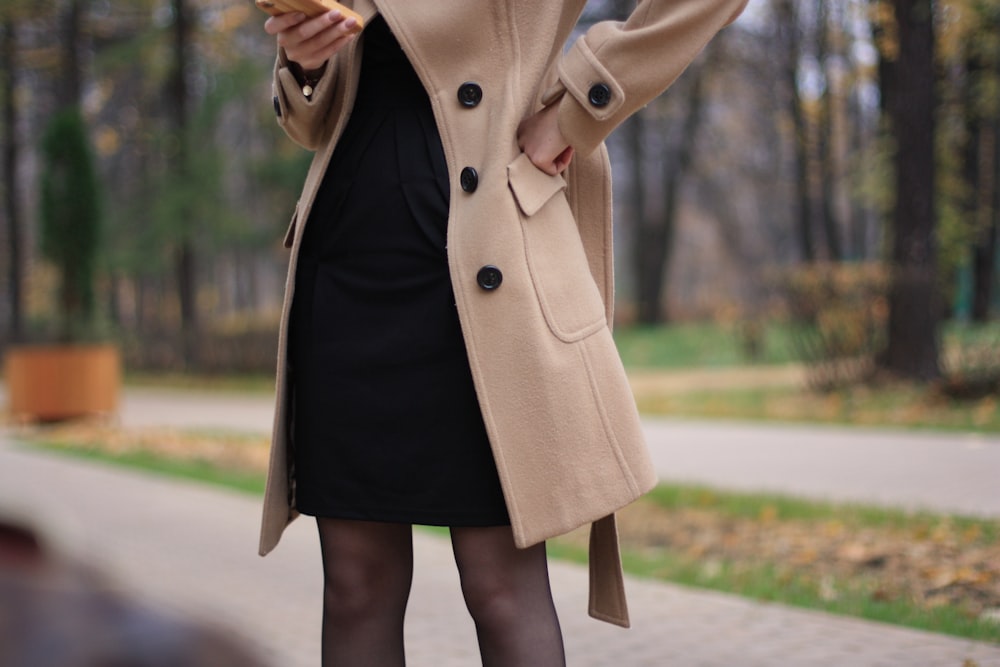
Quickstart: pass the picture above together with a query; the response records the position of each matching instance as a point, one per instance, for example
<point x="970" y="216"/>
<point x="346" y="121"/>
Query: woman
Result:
<point x="445" y="352"/>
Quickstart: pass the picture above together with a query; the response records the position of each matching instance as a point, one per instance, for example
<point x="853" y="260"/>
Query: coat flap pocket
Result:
<point x="531" y="186"/>
<point x="290" y="233"/>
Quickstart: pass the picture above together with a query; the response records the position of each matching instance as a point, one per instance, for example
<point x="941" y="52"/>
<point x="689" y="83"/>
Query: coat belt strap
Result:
<point x="607" y="582"/>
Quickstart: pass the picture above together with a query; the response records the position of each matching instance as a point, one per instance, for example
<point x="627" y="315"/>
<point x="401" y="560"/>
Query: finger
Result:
<point x="308" y="39"/>
<point x="282" y="22"/>
<point x="543" y="164"/>
<point x="326" y="37"/>
<point x="349" y="24"/>
<point x="550" y="157"/>
<point x="308" y="29"/>
<point x="563" y="159"/>
<point x="318" y="50"/>
<point x="549" y="168"/>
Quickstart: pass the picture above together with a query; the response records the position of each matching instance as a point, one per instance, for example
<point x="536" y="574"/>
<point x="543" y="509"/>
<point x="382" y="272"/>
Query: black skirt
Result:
<point x="386" y="424"/>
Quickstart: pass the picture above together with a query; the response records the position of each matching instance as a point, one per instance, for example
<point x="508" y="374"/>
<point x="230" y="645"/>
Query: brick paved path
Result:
<point x="191" y="549"/>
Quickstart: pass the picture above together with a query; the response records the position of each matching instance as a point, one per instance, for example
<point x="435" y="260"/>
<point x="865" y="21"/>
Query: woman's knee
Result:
<point x="493" y="598"/>
<point x="365" y="574"/>
<point x="497" y="591"/>
<point x="359" y="590"/>
<point x="498" y="579"/>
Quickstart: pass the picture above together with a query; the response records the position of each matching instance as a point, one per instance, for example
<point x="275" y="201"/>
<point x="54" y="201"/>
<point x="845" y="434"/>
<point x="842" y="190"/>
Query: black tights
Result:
<point x="368" y="568"/>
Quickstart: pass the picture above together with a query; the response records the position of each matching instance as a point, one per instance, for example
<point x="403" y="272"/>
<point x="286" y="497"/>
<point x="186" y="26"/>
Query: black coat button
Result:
<point x="489" y="277"/>
<point x="469" y="179"/>
<point x="599" y="95"/>
<point x="277" y="106"/>
<point x="470" y="94"/>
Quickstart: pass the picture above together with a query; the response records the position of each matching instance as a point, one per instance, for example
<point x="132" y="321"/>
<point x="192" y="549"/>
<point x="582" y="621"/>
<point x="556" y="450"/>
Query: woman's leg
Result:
<point x="367" y="571"/>
<point x="507" y="592"/>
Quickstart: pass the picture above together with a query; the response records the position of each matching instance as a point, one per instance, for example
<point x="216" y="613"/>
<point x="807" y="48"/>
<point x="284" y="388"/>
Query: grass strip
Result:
<point x="766" y="583"/>
<point x="249" y="383"/>
<point x="251" y="482"/>
<point x="769" y="507"/>
<point x="703" y="345"/>
<point x="909" y="407"/>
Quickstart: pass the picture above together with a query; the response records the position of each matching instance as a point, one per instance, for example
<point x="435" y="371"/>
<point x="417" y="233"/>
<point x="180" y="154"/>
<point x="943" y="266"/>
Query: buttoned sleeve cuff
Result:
<point x="301" y="110"/>
<point x="588" y="96"/>
<point x="616" y="68"/>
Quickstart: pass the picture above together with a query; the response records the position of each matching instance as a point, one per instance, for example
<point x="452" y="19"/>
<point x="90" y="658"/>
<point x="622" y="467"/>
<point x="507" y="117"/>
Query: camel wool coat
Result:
<point x="530" y="254"/>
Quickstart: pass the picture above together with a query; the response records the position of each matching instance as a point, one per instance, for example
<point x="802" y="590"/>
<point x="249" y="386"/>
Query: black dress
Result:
<point x="387" y="426"/>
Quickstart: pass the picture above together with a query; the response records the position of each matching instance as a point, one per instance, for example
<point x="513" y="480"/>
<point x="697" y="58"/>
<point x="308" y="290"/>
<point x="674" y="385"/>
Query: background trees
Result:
<point x="200" y="181"/>
<point x="784" y="148"/>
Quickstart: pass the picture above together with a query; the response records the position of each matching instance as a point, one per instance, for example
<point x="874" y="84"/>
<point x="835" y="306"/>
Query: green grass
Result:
<point x="262" y="383"/>
<point x="898" y="406"/>
<point x="714" y="345"/>
<point x="777" y="507"/>
<point x="199" y="471"/>
<point x="767" y="583"/>
<point x="700" y="345"/>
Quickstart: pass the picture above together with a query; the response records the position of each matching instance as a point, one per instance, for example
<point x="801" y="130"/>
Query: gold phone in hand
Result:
<point x="310" y="8"/>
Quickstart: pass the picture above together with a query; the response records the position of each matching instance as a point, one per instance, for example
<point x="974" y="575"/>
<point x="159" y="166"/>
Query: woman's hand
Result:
<point x="310" y="42"/>
<point x="540" y="139"/>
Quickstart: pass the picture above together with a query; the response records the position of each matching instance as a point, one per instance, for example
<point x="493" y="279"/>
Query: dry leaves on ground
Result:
<point x="927" y="564"/>
<point x="233" y="451"/>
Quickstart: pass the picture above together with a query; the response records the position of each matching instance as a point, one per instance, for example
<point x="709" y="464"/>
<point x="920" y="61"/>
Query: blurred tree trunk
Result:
<point x="985" y="156"/>
<point x="995" y="255"/>
<point x="69" y="92"/>
<point x="981" y="174"/>
<point x="649" y="241"/>
<point x="862" y="217"/>
<point x="655" y="234"/>
<point x="12" y="186"/>
<point x="981" y="112"/>
<point x="678" y="163"/>
<point x="826" y="155"/>
<point x="790" y="32"/>
<point x="647" y="251"/>
<point x="912" y="344"/>
<point x="185" y="257"/>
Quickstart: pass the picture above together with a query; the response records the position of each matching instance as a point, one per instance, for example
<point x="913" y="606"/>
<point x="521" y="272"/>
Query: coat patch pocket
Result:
<point x="566" y="290"/>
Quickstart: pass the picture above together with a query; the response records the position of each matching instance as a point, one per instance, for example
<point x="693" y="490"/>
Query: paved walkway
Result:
<point x="192" y="550"/>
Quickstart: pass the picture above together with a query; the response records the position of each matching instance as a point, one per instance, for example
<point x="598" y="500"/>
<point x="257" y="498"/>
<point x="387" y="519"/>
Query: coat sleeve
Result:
<point x="303" y="118"/>
<point x="616" y="68"/>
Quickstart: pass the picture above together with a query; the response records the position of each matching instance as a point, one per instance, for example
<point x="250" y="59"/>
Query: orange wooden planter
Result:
<point x="53" y="382"/>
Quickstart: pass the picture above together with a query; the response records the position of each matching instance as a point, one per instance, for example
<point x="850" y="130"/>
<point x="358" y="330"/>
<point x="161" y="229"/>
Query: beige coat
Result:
<point x="562" y="423"/>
